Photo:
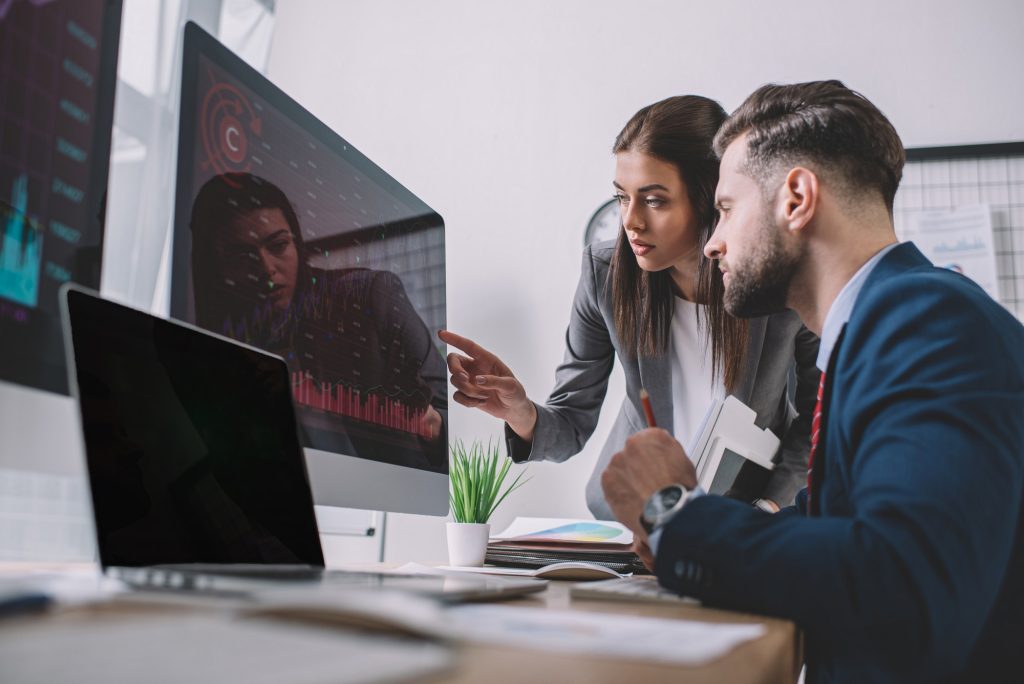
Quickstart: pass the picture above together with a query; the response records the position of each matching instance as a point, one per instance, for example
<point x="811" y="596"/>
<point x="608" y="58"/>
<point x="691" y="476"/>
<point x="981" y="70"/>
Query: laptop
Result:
<point x="195" y="466"/>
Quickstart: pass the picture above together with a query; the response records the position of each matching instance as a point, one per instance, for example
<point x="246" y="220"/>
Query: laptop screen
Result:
<point x="190" y="442"/>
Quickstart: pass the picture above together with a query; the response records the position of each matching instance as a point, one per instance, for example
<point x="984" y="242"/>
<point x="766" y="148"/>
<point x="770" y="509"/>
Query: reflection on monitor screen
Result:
<point x="289" y="239"/>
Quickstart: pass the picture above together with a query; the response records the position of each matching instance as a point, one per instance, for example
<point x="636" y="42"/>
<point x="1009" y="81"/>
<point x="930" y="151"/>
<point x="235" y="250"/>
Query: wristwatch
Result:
<point x="662" y="505"/>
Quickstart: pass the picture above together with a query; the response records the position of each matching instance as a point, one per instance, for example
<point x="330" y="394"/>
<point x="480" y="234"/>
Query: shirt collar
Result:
<point x="842" y="307"/>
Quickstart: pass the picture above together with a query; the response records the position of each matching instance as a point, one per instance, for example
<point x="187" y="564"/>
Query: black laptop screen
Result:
<point x="191" y="444"/>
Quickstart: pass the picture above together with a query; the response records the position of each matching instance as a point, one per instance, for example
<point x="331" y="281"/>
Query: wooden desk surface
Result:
<point x="774" y="657"/>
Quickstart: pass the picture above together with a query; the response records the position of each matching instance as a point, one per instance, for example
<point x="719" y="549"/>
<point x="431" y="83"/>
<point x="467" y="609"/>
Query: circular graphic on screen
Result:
<point x="227" y="121"/>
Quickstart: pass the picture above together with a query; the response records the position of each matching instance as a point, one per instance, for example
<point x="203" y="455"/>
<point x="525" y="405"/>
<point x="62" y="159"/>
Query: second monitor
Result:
<point x="289" y="239"/>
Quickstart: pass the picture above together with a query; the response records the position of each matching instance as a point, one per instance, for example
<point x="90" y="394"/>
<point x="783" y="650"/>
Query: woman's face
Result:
<point x="259" y="254"/>
<point x="659" y="221"/>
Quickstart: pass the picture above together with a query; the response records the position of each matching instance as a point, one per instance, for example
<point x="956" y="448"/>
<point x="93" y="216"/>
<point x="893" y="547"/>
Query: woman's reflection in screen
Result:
<point x="348" y="335"/>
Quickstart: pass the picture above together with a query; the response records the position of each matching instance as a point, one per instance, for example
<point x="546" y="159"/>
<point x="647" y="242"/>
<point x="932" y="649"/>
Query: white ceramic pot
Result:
<point x="467" y="543"/>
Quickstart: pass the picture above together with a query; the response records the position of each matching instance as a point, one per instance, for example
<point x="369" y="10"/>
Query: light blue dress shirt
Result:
<point x="839" y="313"/>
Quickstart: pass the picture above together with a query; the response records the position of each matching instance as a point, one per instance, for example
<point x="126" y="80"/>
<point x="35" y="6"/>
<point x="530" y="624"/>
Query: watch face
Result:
<point x="670" y="496"/>
<point x="604" y="224"/>
<point x="662" y="501"/>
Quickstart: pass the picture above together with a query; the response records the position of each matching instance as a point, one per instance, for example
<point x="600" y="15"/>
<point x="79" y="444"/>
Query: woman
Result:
<point x="652" y="299"/>
<point x="350" y="336"/>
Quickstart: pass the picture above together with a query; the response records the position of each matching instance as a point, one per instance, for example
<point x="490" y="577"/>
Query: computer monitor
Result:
<point x="58" y="70"/>
<point x="57" y="75"/>
<point x="289" y="239"/>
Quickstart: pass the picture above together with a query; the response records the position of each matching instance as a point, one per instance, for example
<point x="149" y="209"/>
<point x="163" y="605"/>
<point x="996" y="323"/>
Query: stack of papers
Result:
<point x="537" y="542"/>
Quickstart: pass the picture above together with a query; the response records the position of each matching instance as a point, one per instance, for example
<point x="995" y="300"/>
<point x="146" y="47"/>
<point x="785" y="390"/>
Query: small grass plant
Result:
<point x="477" y="475"/>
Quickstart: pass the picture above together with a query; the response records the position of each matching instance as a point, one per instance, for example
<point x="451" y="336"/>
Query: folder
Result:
<point x="537" y="542"/>
<point x="729" y="445"/>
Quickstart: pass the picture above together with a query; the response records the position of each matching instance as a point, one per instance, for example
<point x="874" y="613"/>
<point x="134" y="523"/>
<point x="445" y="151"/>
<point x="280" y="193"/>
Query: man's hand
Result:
<point x="642" y="548"/>
<point x="652" y="459"/>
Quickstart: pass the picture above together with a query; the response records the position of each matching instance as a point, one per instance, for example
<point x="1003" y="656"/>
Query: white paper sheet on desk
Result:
<point x="601" y="634"/>
<point x="572" y="570"/>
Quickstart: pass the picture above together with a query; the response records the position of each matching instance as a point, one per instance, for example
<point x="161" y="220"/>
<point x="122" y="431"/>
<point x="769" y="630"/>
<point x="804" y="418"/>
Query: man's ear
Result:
<point x="798" y="200"/>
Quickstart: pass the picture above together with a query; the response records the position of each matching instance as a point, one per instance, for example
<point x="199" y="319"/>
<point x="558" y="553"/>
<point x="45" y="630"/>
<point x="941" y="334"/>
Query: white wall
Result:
<point x="501" y="116"/>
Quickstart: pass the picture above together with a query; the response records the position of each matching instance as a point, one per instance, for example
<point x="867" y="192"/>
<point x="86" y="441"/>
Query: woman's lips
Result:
<point x="640" y="248"/>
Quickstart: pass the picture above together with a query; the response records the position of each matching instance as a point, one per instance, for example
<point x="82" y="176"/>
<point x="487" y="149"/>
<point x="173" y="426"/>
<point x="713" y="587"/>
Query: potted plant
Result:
<point x="477" y="475"/>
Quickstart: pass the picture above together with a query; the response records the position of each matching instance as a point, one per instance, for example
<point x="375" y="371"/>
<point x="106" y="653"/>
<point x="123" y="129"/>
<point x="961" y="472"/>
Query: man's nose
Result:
<point x="714" y="248"/>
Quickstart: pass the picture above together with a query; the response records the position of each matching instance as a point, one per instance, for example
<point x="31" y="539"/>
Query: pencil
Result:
<point x="645" y="399"/>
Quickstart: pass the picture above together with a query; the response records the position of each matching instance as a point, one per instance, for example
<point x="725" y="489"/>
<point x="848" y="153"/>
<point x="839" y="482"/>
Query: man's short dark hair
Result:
<point x="821" y="123"/>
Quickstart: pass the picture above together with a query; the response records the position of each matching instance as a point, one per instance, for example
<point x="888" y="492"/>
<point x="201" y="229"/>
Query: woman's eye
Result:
<point x="654" y="202"/>
<point x="620" y="198"/>
<point x="278" y="246"/>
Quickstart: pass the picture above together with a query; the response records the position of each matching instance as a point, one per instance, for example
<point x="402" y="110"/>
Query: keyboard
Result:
<point x="629" y="589"/>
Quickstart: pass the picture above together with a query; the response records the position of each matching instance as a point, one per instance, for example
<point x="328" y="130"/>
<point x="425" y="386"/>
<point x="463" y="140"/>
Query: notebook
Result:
<point x="538" y="542"/>
<point x="195" y="467"/>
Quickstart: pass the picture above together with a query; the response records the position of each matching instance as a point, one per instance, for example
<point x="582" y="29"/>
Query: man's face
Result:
<point x="756" y="260"/>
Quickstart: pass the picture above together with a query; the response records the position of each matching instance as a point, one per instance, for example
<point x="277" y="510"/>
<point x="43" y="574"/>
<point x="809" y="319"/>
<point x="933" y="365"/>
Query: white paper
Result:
<point x="683" y="642"/>
<point x="960" y="240"/>
<point x="566" y="530"/>
<point x="569" y="570"/>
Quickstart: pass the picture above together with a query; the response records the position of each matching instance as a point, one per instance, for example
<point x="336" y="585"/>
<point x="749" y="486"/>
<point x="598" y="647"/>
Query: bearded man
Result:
<point x="903" y="559"/>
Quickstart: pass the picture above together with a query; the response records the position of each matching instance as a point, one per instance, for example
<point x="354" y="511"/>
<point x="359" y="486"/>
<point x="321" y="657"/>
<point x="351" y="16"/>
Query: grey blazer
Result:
<point x="568" y="418"/>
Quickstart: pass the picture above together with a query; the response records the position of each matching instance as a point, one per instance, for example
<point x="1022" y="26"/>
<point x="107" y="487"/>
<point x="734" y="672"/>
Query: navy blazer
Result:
<point x="914" y="568"/>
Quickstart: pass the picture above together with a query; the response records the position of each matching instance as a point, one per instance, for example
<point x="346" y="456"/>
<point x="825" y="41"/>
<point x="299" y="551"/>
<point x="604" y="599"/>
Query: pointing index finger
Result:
<point x="463" y="343"/>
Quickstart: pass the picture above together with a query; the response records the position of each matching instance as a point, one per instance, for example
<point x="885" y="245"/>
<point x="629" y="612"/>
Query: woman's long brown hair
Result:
<point x="678" y="130"/>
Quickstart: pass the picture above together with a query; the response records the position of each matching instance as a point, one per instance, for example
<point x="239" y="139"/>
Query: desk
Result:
<point x="774" y="657"/>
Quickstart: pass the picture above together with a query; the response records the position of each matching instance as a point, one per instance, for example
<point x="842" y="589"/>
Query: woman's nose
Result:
<point x="266" y="262"/>
<point x="631" y="219"/>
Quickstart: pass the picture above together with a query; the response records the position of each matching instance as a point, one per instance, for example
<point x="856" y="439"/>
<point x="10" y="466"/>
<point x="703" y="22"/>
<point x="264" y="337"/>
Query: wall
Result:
<point x="501" y="116"/>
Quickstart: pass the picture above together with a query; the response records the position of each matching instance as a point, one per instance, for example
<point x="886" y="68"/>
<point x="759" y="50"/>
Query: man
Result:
<point x="904" y="559"/>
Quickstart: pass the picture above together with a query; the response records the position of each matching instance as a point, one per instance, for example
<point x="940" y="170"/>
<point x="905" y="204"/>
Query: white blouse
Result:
<point x="693" y="389"/>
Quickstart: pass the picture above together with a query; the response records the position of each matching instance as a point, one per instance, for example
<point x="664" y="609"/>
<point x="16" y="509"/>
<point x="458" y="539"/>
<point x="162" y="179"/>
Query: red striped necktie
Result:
<point x="815" y="435"/>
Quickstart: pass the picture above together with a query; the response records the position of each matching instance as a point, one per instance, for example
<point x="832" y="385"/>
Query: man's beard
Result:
<point x="761" y="286"/>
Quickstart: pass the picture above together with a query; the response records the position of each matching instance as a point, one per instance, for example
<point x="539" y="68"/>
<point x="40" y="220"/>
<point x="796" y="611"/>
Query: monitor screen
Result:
<point x="58" y="64"/>
<point x="289" y="239"/>
<point x="190" y="442"/>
